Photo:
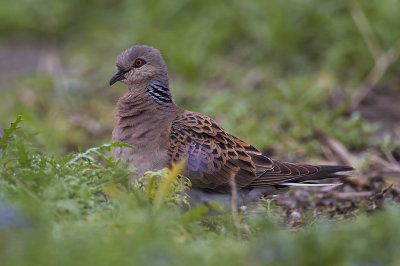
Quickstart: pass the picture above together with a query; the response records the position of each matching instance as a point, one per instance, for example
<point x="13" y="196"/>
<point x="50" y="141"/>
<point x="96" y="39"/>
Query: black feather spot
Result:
<point x="206" y="146"/>
<point x="232" y="153"/>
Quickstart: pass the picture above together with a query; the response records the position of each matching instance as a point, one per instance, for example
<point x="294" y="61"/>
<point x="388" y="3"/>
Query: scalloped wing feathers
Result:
<point x="214" y="157"/>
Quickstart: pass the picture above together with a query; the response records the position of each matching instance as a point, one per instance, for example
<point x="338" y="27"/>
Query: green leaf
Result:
<point x="7" y="132"/>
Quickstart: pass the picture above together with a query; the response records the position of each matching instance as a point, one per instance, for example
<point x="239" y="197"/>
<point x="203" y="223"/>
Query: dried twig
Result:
<point x="391" y="159"/>
<point x="382" y="59"/>
<point x="376" y="73"/>
<point x="344" y="155"/>
<point x="336" y="147"/>
<point x="23" y="187"/>
<point x="235" y="215"/>
<point x="383" y="162"/>
<point x="365" y="29"/>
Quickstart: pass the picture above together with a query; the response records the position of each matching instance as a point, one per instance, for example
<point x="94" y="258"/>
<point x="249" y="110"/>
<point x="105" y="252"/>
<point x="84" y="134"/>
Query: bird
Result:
<point x="162" y="133"/>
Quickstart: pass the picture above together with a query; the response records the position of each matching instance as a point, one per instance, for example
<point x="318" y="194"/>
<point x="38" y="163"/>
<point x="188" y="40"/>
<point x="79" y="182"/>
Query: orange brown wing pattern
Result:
<point x="213" y="156"/>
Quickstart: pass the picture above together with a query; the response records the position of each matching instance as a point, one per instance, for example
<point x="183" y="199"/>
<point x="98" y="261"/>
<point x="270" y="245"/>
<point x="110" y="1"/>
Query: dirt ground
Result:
<point x="367" y="188"/>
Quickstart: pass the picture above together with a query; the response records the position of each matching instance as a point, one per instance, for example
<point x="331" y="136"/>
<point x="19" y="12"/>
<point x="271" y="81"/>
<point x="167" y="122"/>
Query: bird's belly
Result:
<point x="142" y="159"/>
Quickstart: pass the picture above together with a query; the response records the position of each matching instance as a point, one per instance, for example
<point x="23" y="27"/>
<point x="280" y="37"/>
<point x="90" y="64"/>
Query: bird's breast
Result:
<point x="150" y="150"/>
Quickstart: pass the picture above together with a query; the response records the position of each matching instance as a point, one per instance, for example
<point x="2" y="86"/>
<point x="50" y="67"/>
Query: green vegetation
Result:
<point x="270" y="72"/>
<point x="80" y="210"/>
<point x="279" y="61"/>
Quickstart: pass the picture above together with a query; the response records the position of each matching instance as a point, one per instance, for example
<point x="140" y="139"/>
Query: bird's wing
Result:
<point x="213" y="156"/>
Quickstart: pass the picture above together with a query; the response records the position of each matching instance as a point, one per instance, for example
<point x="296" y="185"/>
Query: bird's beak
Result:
<point x="117" y="77"/>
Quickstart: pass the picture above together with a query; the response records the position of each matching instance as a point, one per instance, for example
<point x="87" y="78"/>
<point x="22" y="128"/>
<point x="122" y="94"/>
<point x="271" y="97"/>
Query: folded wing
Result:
<point x="214" y="157"/>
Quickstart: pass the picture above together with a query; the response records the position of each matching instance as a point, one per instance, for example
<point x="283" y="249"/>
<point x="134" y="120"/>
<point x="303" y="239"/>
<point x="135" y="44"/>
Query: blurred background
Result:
<point x="302" y="80"/>
<point x="270" y="72"/>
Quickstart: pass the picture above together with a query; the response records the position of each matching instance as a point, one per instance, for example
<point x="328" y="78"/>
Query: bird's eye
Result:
<point x="138" y="63"/>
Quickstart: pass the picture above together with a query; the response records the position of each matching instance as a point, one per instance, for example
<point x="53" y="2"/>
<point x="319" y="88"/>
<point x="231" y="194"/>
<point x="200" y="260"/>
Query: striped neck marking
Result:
<point x="158" y="92"/>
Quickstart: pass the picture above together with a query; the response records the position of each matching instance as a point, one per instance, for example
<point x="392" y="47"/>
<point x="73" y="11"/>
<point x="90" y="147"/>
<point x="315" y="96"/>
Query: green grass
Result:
<point x="80" y="209"/>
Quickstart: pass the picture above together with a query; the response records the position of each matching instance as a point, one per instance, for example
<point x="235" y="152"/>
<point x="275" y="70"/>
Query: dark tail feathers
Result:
<point x="327" y="171"/>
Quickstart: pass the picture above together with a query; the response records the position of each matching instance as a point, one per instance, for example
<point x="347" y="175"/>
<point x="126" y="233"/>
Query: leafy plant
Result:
<point x="268" y="206"/>
<point x="82" y="209"/>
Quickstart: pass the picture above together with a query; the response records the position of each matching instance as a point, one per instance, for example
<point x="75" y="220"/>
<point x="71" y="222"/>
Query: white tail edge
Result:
<point x="310" y="185"/>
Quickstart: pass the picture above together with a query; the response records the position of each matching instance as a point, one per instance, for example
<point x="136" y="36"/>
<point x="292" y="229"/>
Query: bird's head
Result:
<point x="139" y="65"/>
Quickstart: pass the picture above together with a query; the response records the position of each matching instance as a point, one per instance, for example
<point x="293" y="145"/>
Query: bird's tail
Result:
<point x="325" y="172"/>
<point x="285" y="174"/>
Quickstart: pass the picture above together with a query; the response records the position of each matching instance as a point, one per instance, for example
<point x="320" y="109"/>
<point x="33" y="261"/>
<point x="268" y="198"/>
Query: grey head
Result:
<point x="139" y="65"/>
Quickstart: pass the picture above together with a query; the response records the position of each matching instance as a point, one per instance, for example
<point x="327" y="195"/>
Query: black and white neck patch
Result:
<point x="158" y="92"/>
